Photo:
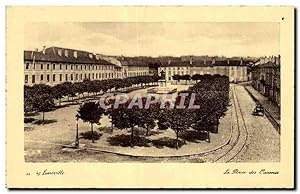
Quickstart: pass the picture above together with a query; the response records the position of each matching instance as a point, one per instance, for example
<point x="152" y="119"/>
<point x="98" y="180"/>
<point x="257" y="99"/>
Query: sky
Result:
<point x="158" y="39"/>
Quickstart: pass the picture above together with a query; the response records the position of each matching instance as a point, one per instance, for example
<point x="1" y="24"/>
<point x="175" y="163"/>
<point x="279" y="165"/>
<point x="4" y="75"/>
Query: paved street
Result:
<point x="263" y="142"/>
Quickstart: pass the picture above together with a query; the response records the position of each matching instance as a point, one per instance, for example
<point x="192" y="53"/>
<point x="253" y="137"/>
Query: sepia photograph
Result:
<point x="124" y="89"/>
<point x="231" y="71"/>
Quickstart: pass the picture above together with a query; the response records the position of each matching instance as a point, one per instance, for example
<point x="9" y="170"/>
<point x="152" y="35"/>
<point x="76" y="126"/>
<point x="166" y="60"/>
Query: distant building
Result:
<point x="134" y="67"/>
<point x="236" y="70"/>
<point x="55" y="65"/>
<point x="266" y="78"/>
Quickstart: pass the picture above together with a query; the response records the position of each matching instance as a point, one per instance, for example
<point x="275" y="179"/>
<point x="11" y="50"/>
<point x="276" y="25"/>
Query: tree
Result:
<point x="179" y="120"/>
<point x="176" y="78"/>
<point x="90" y="112"/>
<point x="59" y="91"/>
<point x="147" y="116"/>
<point x="186" y="78"/>
<point x="28" y="99"/>
<point x="196" y="77"/>
<point x="126" y="118"/>
<point x="42" y="103"/>
<point x="213" y="94"/>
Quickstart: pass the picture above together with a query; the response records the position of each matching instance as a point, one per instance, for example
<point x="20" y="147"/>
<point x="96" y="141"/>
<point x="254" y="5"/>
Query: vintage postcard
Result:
<point x="150" y="97"/>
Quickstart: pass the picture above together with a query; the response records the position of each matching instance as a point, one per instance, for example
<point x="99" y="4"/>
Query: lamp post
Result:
<point x="77" y="138"/>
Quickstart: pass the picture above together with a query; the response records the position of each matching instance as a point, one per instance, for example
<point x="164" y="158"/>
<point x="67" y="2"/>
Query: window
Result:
<point x="60" y="77"/>
<point x="93" y="76"/>
<point x="81" y="67"/>
<point x="27" y="66"/>
<point x="53" y="66"/>
<point x="80" y="76"/>
<point x="89" y="76"/>
<point x="76" y="76"/>
<point x="48" y="78"/>
<point x="33" y="65"/>
<point x="66" y="67"/>
<point x="42" y="66"/>
<point x="42" y="77"/>
<point x="53" y="78"/>
<point x="33" y="79"/>
<point x="60" y="66"/>
<point x="96" y="75"/>
<point x="71" y="77"/>
<point x="26" y="79"/>
<point x="71" y="67"/>
<point x="48" y="66"/>
<point x="66" y="77"/>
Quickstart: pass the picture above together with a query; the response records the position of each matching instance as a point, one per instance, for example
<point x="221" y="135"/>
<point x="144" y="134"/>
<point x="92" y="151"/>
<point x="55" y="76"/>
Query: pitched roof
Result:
<point x="134" y="61"/>
<point x="268" y="64"/>
<point x="204" y="63"/>
<point x="57" y="54"/>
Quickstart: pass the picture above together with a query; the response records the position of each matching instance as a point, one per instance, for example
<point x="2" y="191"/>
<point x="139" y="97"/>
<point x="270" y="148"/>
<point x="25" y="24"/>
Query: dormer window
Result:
<point x="59" y="52"/>
<point x="66" y="53"/>
<point x="75" y="54"/>
<point x="91" y="55"/>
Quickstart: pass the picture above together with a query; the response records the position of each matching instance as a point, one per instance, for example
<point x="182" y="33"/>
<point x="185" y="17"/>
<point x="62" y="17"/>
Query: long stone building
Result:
<point x="55" y="65"/>
<point x="236" y="70"/>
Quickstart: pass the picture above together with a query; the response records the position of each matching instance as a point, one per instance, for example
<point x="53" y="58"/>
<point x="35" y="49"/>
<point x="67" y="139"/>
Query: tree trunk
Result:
<point x="112" y="127"/>
<point x="131" y="137"/>
<point x="92" y="133"/>
<point x="147" y="133"/>
<point x="59" y="101"/>
<point x="43" y="121"/>
<point x="208" y="136"/>
<point x="176" y="141"/>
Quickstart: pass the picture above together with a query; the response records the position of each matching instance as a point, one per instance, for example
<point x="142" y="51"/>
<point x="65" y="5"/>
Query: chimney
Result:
<point x="241" y="61"/>
<point x="66" y="53"/>
<point x="273" y="59"/>
<point x="262" y="60"/>
<point x="191" y="60"/>
<point x="228" y="62"/>
<point x="277" y="60"/>
<point x="75" y="54"/>
<point x="36" y="50"/>
<point x="169" y="61"/>
<point x="213" y="60"/>
<point x="59" y="52"/>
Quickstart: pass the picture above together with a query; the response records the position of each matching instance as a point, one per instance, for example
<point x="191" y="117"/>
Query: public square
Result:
<point x="242" y="137"/>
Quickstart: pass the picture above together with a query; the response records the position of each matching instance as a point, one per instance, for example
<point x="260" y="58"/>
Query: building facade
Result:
<point x="56" y="65"/>
<point x="236" y="70"/>
<point x="134" y="67"/>
<point x="266" y="78"/>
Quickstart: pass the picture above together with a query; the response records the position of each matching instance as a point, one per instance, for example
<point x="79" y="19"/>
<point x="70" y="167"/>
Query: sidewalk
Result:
<point x="273" y="109"/>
